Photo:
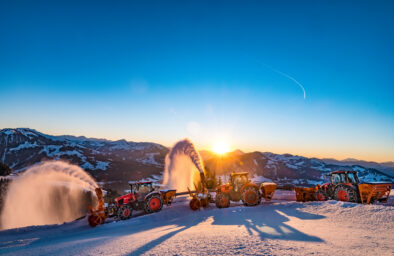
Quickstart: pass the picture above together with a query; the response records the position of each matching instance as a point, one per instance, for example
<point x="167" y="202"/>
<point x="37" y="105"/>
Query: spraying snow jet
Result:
<point x="183" y="166"/>
<point x="49" y="193"/>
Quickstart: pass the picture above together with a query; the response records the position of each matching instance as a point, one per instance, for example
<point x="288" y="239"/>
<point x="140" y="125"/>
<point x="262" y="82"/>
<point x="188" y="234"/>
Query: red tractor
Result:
<point x="345" y="186"/>
<point x="241" y="188"/>
<point x="142" y="197"/>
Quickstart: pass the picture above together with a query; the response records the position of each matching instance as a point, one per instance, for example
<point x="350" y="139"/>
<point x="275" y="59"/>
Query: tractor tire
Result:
<point x="222" y="200"/>
<point x="153" y="204"/>
<point x="111" y="210"/>
<point x="345" y="194"/>
<point x="195" y="204"/>
<point x="250" y="196"/>
<point x="125" y="212"/>
<point x="321" y="195"/>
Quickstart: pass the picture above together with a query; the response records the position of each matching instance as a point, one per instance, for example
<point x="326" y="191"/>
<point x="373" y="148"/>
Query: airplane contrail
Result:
<point x="288" y="77"/>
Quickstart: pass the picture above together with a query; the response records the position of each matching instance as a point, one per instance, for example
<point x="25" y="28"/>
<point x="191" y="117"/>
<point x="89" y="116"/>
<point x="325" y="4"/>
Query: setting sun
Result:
<point x="220" y="147"/>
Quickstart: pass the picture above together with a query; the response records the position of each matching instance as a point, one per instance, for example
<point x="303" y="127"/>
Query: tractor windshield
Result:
<point x="337" y="178"/>
<point x="239" y="181"/>
<point x="145" y="188"/>
<point x="352" y="178"/>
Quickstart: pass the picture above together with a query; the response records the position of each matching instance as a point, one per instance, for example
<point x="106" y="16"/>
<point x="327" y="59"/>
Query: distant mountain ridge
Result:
<point x="105" y="160"/>
<point x="116" y="162"/>
<point x="286" y="168"/>
<point x="386" y="167"/>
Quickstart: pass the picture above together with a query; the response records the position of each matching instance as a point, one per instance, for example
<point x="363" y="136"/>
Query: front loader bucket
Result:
<point x="267" y="190"/>
<point x="305" y="194"/>
<point x="370" y="192"/>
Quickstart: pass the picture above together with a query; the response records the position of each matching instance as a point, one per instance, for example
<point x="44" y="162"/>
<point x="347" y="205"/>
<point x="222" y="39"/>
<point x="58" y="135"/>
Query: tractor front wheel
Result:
<point x="345" y="194"/>
<point x="222" y="200"/>
<point x="321" y="195"/>
<point x="124" y="212"/>
<point x="250" y="196"/>
<point x="153" y="204"/>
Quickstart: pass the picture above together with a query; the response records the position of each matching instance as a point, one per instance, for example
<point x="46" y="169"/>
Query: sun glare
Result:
<point x="220" y="147"/>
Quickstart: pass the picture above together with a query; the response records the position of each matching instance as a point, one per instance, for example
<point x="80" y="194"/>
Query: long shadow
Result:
<point x="269" y="221"/>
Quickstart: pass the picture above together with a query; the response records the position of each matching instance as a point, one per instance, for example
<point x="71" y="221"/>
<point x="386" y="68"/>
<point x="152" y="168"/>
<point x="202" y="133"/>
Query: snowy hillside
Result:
<point x="275" y="228"/>
<point x="115" y="162"/>
<point x="104" y="159"/>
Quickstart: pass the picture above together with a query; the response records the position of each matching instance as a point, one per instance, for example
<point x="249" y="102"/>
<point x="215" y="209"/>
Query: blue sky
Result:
<point x="164" y="70"/>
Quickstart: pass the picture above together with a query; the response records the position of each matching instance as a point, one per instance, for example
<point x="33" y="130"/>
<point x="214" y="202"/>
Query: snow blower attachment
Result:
<point x="267" y="190"/>
<point x="200" y="197"/>
<point x="305" y="194"/>
<point x="98" y="216"/>
<point x="345" y="186"/>
<point x="370" y="193"/>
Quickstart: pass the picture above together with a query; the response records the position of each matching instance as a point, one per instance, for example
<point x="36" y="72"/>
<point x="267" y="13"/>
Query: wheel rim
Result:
<point x="251" y="197"/>
<point x="154" y="204"/>
<point x="126" y="213"/>
<point x="343" y="195"/>
<point x="223" y="201"/>
<point x="320" y="197"/>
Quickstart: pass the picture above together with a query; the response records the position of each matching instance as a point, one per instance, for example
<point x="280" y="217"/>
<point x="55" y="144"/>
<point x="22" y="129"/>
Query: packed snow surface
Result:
<point x="278" y="227"/>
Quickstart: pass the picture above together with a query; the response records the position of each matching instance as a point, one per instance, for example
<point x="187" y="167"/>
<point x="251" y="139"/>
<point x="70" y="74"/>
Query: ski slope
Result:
<point x="273" y="228"/>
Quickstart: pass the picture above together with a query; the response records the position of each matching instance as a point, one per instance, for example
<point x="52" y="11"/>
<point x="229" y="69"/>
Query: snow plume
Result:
<point x="183" y="166"/>
<point x="52" y="192"/>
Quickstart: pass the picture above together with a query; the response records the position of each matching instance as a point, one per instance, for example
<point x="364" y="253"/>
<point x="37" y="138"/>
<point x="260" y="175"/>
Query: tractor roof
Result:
<point x="139" y="182"/>
<point x="338" y="172"/>
<point x="239" y="173"/>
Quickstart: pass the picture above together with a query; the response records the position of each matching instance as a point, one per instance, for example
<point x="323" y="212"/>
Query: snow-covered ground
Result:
<point x="279" y="227"/>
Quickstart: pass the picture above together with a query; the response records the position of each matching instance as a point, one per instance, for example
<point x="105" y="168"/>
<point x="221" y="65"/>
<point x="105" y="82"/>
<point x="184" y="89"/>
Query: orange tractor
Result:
<point x="345" y="186"/>
<point x="241" y="188"/>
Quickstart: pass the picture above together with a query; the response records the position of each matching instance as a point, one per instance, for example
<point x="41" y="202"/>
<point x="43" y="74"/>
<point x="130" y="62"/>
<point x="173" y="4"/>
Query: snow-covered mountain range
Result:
<point x="286" y="168"/>
<point x="120" y="161"/>
<point x="105" y="160"/>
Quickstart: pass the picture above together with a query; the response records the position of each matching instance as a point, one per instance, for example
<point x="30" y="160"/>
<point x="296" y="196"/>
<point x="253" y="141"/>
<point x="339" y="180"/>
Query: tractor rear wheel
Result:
<point x="153" y="204"/>
<point x="124" y="212"/>
<point x="222" y="200"/>
<point x="345" y="194"/>
<point x="250" y="196"/>
<point x="321" y="195"/>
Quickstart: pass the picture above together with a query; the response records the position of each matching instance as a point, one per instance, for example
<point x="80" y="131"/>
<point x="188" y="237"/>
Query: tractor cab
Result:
<point x="140" y="189"/>
<point x="344" y="177"/>
<point x="238" y="179"/>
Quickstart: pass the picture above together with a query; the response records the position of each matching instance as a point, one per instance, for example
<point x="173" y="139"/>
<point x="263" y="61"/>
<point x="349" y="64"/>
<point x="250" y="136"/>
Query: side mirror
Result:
<point x="325" y="176"/>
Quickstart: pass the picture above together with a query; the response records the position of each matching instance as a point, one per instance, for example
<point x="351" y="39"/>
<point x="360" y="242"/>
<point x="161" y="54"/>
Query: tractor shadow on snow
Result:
<point x="267" y="221"/>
